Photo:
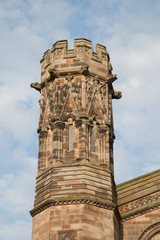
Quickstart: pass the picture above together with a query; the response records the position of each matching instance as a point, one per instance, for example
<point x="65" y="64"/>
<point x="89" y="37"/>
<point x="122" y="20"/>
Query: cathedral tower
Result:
<point x="75" y="192"/>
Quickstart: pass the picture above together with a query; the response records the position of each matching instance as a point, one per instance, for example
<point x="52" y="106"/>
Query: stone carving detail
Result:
<point x="77" y="91"/>
<point x="42" y="103"/>
<point x="103" y="94"/>
<point x="87" y="50"/>
<point x="110" y="108"/>
<point x="36" y="85"/>
<point x="90" y="89"/>
<point x="84" y="69"/>
<point x="117" y="95"/>
<point x="84" y="49"/>
<point x="69" y="78"/>
<point x="48" y="59"/>
<point x="70" y="235"/>
<point x="58" y="52"/>
<point x="53" y="73"/>
<point x="142" y="202"/>
<point x="56" y="95"/>
<point x="111" y="78"/>
<point x="80" y="49"/>
<point x="105" y="205"/>
<point x="78" y="98"/>
<point x="104" y="57"/>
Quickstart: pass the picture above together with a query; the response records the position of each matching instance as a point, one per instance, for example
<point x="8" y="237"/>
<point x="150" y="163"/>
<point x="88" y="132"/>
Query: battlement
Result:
<point x="61" y="58"/>
<point x="81" y="45"/>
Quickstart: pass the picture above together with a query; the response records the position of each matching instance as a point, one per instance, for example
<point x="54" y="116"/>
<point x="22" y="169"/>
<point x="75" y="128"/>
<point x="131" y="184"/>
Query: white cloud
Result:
<point x="17" y="190"/>
<point x="136" y="115"/>
<point x="18" y="230"/>
<point x="28" y="28"/>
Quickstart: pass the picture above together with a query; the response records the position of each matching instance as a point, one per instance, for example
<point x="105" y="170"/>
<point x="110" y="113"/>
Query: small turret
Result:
<point x="75" y="163"/>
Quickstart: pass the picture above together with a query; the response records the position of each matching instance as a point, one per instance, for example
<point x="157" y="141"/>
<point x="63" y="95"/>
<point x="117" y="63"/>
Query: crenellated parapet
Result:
<point x="72" y="60"/>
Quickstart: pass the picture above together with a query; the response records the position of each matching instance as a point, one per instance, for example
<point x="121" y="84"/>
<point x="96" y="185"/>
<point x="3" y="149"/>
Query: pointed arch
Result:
<point x="151" y="232"/>
<point x="69" y="109"/>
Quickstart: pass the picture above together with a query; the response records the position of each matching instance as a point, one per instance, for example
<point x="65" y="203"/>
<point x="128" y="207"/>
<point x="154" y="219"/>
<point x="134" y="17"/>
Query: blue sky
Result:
<point x="130" y="30"/>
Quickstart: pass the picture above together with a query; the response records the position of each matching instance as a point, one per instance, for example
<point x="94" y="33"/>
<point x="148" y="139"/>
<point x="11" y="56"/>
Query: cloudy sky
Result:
<point x="131" y="32"/>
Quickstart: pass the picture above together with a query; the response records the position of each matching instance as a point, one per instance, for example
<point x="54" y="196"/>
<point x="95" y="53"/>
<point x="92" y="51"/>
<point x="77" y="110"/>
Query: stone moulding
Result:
<point x="75" y="164"/>
<point x="140" y="211"/>
<point x="108" y="79"/>
<point x="150" y="231"/>
<point x="48" y="203"/>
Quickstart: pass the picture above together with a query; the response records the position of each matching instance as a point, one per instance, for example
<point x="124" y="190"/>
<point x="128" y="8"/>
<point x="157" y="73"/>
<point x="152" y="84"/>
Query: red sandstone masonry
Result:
<point x="88" y="222"/>
<point x="133" y="228"/>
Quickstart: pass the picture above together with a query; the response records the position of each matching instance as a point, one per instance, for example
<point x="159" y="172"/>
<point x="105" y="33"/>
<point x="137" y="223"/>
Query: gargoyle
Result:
<point x="54" y="73"/>
<point x="117" y="95"/>
<point x="111" y="78"/>
<point x="36" y="85"/>
<point x="84" y="69"/>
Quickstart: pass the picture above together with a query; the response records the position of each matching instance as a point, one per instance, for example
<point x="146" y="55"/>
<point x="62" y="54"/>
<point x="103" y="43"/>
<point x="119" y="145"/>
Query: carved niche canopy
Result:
<point x="69" y="235"/>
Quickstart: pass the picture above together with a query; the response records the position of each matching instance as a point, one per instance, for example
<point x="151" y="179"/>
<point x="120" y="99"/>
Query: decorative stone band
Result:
<point x="82" y="70"/>
<point x="48" y="203"/>
<point x="140" y="206"/>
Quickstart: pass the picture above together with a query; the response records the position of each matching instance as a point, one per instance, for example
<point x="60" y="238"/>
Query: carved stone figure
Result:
<point x="36" y="85"/>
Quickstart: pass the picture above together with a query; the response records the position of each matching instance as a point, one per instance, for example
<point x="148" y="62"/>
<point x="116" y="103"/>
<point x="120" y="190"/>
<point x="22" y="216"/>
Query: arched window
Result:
<point x="91" y="138"/>
<point x="70" y="137"/>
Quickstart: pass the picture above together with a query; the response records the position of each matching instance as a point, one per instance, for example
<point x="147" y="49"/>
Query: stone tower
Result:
<point x="75" y="191"/>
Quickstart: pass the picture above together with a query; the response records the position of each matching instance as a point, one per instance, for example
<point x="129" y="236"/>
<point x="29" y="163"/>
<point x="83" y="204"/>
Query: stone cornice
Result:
<point x="87" y="164"/>
<point x="81" y="200"/>
<point x="107" y="80"/>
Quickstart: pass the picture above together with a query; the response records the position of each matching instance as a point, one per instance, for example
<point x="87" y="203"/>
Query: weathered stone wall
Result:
<point x="142" y="227"/>
<point x="76" y="182"/>
<point x="78" y="222"/>
<point x="61" y="106"/>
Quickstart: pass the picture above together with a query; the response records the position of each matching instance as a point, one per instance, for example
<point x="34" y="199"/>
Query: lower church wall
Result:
<point x="143" y="227"/>
<point x="75" y="222"/>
